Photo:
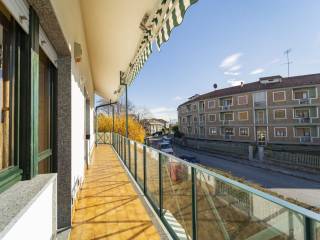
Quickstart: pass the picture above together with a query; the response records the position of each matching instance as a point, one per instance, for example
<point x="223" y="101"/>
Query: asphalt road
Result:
<point x="294" y="187"/>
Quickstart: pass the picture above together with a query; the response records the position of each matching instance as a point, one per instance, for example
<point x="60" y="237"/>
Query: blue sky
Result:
<point x="226" y="42"/>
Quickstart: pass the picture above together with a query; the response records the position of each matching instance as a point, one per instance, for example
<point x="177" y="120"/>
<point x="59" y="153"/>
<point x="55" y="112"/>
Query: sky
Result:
<point x="228" y="42"/>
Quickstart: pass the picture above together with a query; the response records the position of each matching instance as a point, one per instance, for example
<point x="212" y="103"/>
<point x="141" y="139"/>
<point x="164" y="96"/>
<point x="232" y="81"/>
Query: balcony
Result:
<point x="225" y="107"/>
<point x="305" y="139"/>
<point x="261" y="121"/>
<point x="304" y="101"/>
<point x="260" y="104"/>
<point x="226" y="122"/>
<point x="304" y="120"/>
<point x="194" y="203"/>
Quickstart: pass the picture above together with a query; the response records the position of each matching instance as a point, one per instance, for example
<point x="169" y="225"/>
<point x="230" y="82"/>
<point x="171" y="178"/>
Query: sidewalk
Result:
<point x="259" y="164"/>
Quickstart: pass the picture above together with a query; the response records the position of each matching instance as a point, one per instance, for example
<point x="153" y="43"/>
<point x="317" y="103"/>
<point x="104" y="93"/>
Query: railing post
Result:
<point x="308" y="229"/>
<point x="144" y="170"/>
<point x="194" y="203"/>
<point x="135" y="161"/>
<point x="160" y="186"/>
<point x="129" y="154"/>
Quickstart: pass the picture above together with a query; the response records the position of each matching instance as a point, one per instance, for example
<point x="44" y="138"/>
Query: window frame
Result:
<point x="211" y="101"/>
<point x="246" y="102"/>
<point x="243" y="112"/>
<point x="215" y="118"/>
<point x="212" y="134"/>
<point x="280" y="109"/>
<point x="248" y="129"/>
<point x="233" y="131"/>
<point x="274" y="132"/>
<point x="285" y="96"/>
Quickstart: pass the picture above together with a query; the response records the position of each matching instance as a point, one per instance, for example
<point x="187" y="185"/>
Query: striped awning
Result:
<point x="168" y="15"/>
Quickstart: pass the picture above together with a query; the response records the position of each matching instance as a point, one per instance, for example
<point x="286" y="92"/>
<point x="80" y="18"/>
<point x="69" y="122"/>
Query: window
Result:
<point x="188" y="107"/>
<point x="279" y="96"/>
<point x="303" y="132"/>
<point x="229" y="131"/>
<point x="195" y="119"/>
<point x="201" y="117"/>
<point x="211" y="104"/>
<point x="6" y="98"/>
<point x="243" y="116"/>
<point x="227" y="116"/>
<point x="202" y="131"/>
<point x="194" y="106"/>
<point x="212" y="131"/>
<point x="242" y="100"/>
<point x="201" y="105"/>
<point x="212" y="117"/>
<point x="189" y="130"/>
<point x="280" y="132"/>
<point x="227" y="102"/>
<point x="279" y="114"/>
<point x="302" y="113"/>
<point x="44" y="115"/>
<point x="244" y="131"/>
<point x="302" y="94"/>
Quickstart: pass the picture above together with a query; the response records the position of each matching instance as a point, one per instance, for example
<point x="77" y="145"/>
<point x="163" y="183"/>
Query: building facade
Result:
<point x="271" y="110"/>
<point x="154" y="125"/>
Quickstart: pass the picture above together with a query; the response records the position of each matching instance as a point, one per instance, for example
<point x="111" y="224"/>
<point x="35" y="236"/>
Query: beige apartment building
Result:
<point x="271" y="110"/>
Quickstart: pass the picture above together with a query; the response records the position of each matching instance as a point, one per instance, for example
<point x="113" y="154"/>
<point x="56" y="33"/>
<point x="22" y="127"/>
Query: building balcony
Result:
<point x="225" y="107"/>
<point x="260" y="104"/>
<point x="303" y="120"/>
<point x="304" y="101"/>
<point x="305" y="139"/>
<point x="225" y="122"/>
<point x="261" y="121"/>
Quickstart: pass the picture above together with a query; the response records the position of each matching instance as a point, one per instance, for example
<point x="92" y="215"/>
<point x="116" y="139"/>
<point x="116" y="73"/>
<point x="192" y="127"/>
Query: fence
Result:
<point x="103" y="138"/>
<point x="294" y="159"/>
<point x="230" y="148"/>
<point x="195" y="203"/>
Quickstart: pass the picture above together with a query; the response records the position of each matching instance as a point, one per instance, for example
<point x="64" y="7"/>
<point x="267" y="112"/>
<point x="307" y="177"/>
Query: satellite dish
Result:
<point x="215" y="86"/>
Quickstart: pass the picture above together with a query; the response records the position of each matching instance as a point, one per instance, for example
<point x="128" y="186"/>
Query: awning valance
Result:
<point x="158" y="27"/>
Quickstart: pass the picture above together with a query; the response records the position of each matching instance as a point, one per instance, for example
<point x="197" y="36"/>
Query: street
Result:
<point x="294" y="187"/>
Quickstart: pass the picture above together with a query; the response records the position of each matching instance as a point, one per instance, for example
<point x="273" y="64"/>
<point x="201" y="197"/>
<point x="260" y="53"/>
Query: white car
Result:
<point x="166" y="147"/>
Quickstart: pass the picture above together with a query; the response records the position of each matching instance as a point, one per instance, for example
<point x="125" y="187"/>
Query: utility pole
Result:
<point x="126" y="95"/>
<point x="288" y="60"/>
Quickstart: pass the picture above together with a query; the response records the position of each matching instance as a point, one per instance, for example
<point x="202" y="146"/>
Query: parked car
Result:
<point x="166" y="147"/>
<point x="190" y="159"/>
<point x="157" y="134"/>
<point x="167" y="139"/>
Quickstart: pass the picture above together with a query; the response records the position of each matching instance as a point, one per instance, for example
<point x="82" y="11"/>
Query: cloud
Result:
<point x="257" y="71"/>
<point x="234" y="82"/>
<point x="177" y="98"/>
<point x="235" y="68"/>
<point x="164" y="113"/>
<point x="230" y="61"/>
<point x="231" y="73"/>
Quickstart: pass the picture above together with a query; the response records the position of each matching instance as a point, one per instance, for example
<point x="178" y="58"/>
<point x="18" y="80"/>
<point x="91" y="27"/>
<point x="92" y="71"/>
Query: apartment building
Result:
<point x="271" y="110"/>
<point x="154" y="125"/>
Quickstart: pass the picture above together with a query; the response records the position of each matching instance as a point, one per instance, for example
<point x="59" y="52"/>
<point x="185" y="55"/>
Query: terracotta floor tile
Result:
<point x="108" y="206"/>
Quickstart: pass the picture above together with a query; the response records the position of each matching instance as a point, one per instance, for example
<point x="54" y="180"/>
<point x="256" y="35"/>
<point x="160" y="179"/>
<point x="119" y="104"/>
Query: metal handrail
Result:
<point x="266" y="196"/>
<point x="309" y="218"/>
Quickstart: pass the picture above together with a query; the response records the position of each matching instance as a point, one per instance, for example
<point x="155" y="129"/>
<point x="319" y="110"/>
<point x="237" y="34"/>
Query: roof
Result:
<point x="295" y="81"/>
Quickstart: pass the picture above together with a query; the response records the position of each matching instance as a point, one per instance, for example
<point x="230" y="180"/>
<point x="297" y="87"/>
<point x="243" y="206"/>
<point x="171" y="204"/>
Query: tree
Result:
<point x="176" y="132"/>
<point x="136" y="130"/>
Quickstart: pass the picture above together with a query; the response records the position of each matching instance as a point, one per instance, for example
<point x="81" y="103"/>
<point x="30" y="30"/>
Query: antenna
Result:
<point x="288" y="60"/>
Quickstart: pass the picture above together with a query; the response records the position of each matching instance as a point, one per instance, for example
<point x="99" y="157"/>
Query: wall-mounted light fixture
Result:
<point x="77" y="52"/>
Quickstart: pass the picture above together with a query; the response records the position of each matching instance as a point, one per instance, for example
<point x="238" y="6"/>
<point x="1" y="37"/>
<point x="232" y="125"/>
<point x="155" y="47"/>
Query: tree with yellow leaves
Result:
<point x="135" y="129"/>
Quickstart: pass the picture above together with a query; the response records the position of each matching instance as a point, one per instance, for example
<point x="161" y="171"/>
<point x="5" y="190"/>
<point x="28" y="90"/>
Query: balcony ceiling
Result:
<point x="112" y="36"/>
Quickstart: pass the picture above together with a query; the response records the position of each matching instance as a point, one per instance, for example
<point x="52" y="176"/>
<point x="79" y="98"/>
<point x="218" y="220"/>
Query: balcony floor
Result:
<point x="108" y="207"/>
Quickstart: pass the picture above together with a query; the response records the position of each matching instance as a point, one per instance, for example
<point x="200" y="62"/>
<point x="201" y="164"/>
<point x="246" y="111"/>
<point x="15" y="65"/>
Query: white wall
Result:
<point x="70" y="19"/>
<point x="36" y="220"/>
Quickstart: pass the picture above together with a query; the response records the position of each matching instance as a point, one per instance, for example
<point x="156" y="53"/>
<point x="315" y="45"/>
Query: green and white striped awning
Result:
<point x="169" y="14"/>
